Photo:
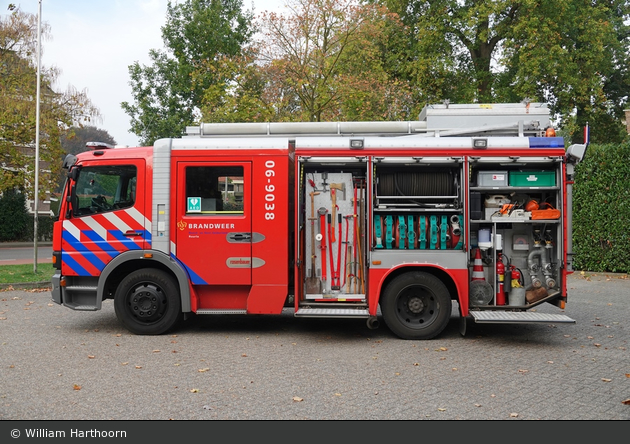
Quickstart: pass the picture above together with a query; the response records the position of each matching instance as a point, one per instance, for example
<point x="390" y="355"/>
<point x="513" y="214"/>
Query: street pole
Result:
<point x="36" y="196"/>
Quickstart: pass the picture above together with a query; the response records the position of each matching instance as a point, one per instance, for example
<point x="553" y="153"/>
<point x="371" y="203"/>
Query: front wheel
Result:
<point x="147" y="302"/>
<point x="416" y="305"/>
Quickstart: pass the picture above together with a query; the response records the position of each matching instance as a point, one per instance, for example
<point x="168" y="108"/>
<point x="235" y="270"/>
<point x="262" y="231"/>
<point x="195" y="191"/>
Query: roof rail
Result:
<point x="503" y="119"/>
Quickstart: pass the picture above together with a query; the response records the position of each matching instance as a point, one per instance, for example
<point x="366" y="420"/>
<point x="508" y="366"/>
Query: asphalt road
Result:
<point x="23" y="253"/>
<point x="57" y="364"/>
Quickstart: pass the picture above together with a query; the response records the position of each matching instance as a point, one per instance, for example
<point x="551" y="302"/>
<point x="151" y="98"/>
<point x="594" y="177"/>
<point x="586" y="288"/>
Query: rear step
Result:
<point x="521" y="317"/>
<point x="307" y="312"/>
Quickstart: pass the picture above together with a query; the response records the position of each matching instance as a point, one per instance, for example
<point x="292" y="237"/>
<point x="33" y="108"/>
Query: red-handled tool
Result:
<point x="334" y="270"/>
<point x="322" y="237"/>
<point x="347" y="272"/>
<point x="330" y="252"/>
<point x="337" y="274"/>
<point x="313" y="284"/>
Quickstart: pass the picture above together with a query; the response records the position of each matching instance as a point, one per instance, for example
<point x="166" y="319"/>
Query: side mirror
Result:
<point x="69" y="161"/>
<point x="575" y="153"/>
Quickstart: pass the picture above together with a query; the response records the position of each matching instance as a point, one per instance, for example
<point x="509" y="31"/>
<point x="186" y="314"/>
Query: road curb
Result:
<point x="26" y="286"/>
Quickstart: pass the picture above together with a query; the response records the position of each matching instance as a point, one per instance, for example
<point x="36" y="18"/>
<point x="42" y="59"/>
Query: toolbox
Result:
<point x="492" y="178"/>
<point x="532" y="178"/>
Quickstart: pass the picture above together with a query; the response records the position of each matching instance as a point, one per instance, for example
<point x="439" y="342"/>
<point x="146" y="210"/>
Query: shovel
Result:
<point x="313" y="284"/>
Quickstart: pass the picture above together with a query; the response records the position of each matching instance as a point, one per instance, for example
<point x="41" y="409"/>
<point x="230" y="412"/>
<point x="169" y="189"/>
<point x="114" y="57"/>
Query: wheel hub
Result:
<point x="415" y="305"/>
<point x="146" y="302"/>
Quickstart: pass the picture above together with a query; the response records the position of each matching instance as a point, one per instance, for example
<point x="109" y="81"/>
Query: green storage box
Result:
<point x="532" y="178"/>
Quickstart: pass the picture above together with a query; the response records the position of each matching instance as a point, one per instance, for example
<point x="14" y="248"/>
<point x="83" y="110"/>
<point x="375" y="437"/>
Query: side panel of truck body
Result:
<point x="235" y="245"/>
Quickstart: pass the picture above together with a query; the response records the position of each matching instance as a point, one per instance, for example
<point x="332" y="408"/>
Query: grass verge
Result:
<point x="24" y="274"/>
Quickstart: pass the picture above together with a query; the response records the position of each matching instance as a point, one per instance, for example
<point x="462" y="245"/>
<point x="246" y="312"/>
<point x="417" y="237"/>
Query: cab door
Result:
<point x="214" y="228"/>
<point x="107" y="216"/>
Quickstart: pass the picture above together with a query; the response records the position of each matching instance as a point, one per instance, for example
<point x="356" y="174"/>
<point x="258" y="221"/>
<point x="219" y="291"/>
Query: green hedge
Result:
<point x="601" y="210"/>
<point x="16" y="224"/>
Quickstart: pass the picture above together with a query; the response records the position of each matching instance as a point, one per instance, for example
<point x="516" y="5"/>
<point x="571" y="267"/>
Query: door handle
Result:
<point x="239" y="237"/>
<point x="132" y="233"/>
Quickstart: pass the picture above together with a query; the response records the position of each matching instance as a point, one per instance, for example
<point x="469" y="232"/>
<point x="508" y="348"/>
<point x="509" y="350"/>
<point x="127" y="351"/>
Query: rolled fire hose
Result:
<point x="411" y="235"/>
<point x="402" y="234"/>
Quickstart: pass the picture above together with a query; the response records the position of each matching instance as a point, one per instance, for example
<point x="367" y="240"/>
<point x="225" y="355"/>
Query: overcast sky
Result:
<point x="94" y="42"/>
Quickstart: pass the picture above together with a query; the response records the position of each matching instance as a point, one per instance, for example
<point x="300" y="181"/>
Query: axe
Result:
<point x="333" y="194"/>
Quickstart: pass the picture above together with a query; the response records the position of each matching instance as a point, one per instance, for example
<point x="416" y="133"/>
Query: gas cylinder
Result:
<point x="500" y="280"/>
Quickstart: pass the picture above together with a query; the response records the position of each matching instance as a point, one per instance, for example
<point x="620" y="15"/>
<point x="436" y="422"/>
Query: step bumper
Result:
<point x="509" y="317"/>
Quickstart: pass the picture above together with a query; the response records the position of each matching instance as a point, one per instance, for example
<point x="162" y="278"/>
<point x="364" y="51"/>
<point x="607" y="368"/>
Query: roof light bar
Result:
<point x="546" y="142"/>
<point x="99" y="145"/>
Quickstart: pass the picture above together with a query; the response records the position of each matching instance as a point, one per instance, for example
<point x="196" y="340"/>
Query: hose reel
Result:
<point x="418" y="184"/>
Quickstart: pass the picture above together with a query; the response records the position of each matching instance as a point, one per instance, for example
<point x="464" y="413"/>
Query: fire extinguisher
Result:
<point x="516" y="277"/>
<point x="500" y="280"/>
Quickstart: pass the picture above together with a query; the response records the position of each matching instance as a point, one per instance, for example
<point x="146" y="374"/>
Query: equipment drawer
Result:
<point x="492" y="178"/>
<point x="532" y="178"/>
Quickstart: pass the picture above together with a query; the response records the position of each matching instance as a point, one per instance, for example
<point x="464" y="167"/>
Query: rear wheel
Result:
<point x="416" y="305"/>
<point x="147" y="302"/>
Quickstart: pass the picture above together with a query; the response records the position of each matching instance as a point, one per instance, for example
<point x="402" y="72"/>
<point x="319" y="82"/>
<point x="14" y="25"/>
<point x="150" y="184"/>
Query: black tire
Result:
<point x="147" y="302"/>
<point x="416" y="305"/>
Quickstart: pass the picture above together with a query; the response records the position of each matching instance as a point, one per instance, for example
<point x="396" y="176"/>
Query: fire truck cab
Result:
<point x="359" y="220"/>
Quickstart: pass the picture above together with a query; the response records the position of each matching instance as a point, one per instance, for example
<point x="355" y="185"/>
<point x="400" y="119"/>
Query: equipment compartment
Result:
<point x="418" y="206"/>
<point x="418" y="185"/>
<point x="334" y="249"/>
<point x="513" y="239"/>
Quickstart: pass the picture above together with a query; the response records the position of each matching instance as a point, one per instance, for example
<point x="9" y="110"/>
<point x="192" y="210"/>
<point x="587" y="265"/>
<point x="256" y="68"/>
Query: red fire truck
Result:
<point x="359" y="220"/>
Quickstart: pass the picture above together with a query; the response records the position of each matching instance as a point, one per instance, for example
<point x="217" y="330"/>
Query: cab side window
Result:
<point x="104" y="189"/>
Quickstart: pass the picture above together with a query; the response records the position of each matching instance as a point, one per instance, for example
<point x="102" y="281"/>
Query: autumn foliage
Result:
<point x="323" y="61"/>
<point x="366" y="60"/>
